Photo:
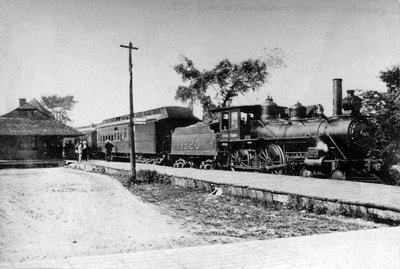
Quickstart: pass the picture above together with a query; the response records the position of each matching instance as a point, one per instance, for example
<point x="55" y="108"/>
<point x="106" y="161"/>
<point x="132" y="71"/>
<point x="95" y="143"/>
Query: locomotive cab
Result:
<point x="235" y="122"/>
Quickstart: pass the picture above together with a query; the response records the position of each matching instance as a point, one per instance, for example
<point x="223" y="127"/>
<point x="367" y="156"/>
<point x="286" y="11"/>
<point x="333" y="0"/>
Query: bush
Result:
<point x="395" y="176"/>
<point x="149" y="177"/>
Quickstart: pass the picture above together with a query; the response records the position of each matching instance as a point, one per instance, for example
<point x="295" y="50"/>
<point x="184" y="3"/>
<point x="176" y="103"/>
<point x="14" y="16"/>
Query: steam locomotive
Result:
<point x="297" y="140"/>
<point x="267" y="138"/>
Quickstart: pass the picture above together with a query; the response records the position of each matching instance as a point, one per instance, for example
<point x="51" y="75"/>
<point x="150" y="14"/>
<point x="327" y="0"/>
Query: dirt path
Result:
<point x="56" y="213"/>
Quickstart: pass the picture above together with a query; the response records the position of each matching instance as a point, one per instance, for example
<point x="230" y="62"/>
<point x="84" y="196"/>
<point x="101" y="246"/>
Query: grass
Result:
<point x="228" y="216"/>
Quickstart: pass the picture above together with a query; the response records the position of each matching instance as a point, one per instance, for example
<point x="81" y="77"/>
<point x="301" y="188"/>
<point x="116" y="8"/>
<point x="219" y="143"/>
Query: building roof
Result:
<point x="24" y="126"/>
<point x="40" y="107"/>
<point x="26" y="106"/>
<point x="32" y="110"/>
<point x="33" y="119"/>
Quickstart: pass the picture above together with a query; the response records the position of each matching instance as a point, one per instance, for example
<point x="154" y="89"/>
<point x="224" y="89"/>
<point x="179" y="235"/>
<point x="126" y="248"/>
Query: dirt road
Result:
<point x="56" y="213"/>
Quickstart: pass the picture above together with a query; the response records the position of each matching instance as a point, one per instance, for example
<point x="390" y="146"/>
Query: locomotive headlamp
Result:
<point x="365" y="132"/>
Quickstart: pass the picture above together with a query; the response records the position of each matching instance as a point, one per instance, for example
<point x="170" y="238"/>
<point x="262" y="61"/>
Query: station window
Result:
<point x="234" y="120"/>
<point x="225" y="121"/>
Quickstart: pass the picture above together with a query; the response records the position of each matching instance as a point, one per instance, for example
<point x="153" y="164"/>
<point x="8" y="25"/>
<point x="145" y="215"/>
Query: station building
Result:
<point x="30" y="133"/>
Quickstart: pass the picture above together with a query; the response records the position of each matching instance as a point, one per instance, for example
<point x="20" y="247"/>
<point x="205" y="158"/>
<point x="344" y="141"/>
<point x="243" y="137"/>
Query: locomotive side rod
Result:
<point x="131" y="114"/>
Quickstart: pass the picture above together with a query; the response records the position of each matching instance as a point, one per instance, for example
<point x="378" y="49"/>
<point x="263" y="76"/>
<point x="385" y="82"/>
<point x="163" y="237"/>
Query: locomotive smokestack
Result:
<point x="337" y="96"/>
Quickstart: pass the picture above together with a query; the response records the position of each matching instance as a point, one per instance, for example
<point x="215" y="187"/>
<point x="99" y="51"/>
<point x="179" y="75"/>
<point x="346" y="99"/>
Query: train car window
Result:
<point x="225" y="121"/>
<point x="234" y="120"/>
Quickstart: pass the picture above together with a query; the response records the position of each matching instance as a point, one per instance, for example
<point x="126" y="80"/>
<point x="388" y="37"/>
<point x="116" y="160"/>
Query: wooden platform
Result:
<point x="374" y="201"/>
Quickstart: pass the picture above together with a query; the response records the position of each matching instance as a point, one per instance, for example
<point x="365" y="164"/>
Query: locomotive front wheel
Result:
<point x="305" y="173"/>
<point x="339" y="175"/>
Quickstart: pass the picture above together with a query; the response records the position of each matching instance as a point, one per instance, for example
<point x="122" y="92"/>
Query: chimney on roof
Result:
<point x="22" y="101"/>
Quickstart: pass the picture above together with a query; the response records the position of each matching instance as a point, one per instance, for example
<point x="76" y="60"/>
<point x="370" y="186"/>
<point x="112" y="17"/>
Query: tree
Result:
<point x="218" y="86"/>
<point x="384" y="111"/>
<point x="59" y="106"/>
<point x="392" y="78"/>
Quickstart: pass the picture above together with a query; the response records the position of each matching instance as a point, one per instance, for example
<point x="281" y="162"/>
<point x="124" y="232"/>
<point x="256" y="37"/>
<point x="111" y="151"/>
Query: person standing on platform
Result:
<point x="80" y="151"/>
<point x="108" y="147"/>
<point x="84" y="150"/>
<point x="76" y="151"/>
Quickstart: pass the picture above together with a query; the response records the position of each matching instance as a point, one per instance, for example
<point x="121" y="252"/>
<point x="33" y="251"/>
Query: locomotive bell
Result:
<point x="269" y="109"/>
<point x="297" y="111"/>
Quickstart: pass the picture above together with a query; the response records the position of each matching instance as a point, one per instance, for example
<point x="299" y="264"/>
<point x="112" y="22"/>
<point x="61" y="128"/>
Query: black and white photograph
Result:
<point x="199" y="134"/>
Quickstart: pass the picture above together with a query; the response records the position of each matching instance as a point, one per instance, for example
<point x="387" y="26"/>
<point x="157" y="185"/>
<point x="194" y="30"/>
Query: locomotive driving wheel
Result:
<point x="272" y="159"/>
<point x="237" y="159"/>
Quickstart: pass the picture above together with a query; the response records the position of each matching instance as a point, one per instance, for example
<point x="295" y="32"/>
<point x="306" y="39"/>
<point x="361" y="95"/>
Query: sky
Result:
<point x="73" y="48"/>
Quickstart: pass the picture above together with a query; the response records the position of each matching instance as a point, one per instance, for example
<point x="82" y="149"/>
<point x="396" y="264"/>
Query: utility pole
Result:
<point x="131" y="114"/>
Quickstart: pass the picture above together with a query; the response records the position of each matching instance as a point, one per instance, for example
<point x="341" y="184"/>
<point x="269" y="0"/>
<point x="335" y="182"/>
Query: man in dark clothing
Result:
<point x="84" y="150"/>
<point x="108" y="147"/>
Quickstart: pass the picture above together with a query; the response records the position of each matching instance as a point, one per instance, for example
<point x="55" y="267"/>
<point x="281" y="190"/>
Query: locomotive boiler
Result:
<point x="297" y="140"/>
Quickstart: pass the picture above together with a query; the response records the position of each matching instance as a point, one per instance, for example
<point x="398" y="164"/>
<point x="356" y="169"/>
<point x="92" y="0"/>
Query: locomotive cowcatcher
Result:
<point x="297" y="140"/>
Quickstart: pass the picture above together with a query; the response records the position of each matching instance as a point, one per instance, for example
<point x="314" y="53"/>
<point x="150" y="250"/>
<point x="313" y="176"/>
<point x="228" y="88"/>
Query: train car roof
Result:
<point x="218" y="109"/>
<point x="156" y="114"/>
